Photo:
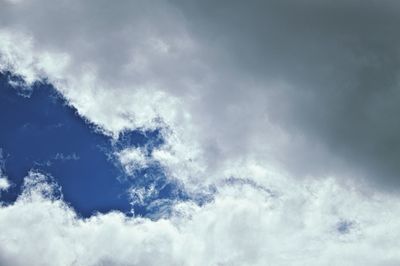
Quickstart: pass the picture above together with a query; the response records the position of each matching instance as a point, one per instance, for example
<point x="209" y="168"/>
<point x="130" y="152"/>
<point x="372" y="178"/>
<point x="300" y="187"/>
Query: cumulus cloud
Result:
<point x="244" y="225"/>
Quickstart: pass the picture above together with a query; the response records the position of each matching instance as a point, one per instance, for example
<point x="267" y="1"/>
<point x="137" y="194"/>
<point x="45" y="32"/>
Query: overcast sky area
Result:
<point x="188" y="132"/>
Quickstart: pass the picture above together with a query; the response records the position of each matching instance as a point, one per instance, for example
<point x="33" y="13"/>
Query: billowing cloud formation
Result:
<point x="286" y="83"/>
<point x="321" y="223"/>
<point x="257" y="98"/>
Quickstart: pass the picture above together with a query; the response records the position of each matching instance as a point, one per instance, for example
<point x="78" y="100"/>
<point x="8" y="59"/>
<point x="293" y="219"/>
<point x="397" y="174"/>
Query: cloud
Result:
<point x="298" y="98"/>
<point x="68" y="157"/>
<point x="287" y="83"/>
<point x="132" y="159"/>
<point x="4" y="183"/>
<point x="142" y="70"/>
<point x="244" y="225"/>
<point x="337" y="65"/>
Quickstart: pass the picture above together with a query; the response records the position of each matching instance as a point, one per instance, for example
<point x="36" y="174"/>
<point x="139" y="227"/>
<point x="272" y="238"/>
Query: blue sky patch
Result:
<point x="40" y="132"/>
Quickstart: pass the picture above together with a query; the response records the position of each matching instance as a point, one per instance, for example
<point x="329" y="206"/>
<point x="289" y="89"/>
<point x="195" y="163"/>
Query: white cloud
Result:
<point x="4" y="183"/>
<point x="244" y="225"/>
<point x="132" y="159"/>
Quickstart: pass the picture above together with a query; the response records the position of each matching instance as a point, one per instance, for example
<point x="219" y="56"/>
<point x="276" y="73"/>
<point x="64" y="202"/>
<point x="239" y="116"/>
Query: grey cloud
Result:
<point x="226" y="62"/>
<point x="341" y="60"/>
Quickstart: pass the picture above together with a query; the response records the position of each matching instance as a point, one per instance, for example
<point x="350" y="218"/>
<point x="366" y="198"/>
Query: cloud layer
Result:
<point x="321" y="223"/>
<point x="287" y="83"/>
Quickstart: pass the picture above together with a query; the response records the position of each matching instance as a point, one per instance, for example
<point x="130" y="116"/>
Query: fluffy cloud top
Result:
<point x="321" y="223"/>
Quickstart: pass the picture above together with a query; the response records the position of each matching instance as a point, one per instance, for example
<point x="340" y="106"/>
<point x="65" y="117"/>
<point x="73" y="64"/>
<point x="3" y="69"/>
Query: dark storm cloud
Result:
<point x="341" y="59"/>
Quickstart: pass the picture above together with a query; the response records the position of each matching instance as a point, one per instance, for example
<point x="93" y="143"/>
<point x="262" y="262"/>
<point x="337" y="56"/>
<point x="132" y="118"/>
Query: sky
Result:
<point x="199" y="132"/>
<point x="45" y="135"/>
